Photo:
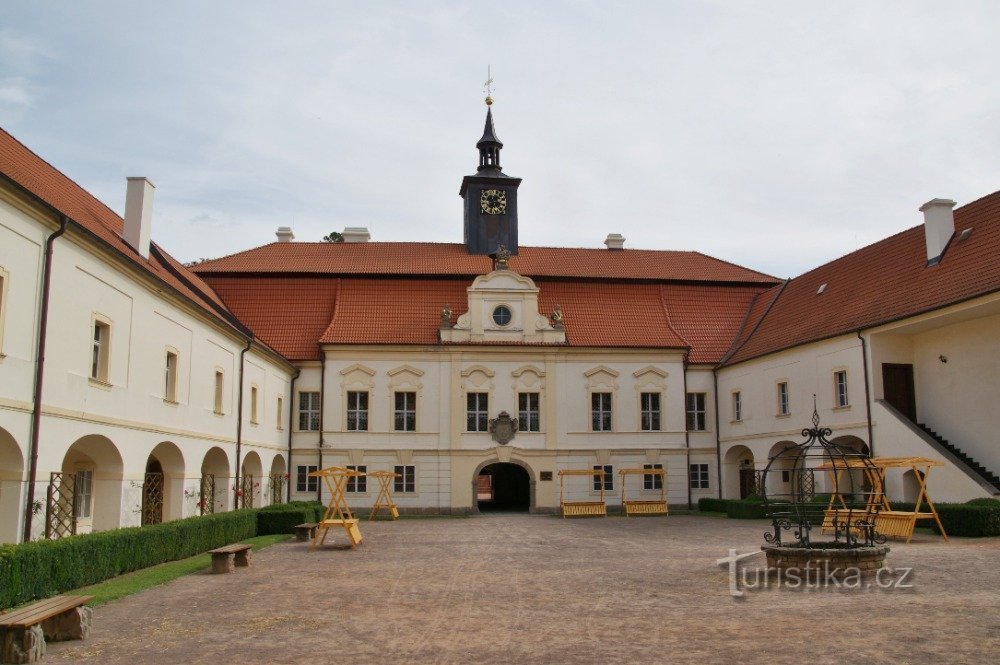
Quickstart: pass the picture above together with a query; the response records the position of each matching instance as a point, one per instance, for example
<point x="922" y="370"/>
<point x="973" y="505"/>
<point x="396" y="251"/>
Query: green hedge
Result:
<point x="283" y="518"/>
<point x="746" y="510"/>
<point x="43" y="568"/>
<point x="713" y="505"/>
<point x="973" y="520"/>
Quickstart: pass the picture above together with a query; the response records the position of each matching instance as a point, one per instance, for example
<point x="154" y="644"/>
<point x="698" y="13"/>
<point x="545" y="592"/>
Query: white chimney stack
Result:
<point x="284" y="234"/>
<point x="138" y="214"/>
<point x="356" y="234"/>
<point x="615" y="241"/>
<point x="939" y="226"/>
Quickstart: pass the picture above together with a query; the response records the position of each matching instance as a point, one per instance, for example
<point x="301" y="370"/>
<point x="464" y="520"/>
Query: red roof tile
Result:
<point x="48" y="184"/>
<point x="883" y="282"/>
<point x="431" y="259"/>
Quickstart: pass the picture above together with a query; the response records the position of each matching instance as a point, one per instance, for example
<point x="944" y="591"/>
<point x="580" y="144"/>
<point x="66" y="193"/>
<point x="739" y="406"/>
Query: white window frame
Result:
<point x="648" y="414"/>
<point x="737" y="406"/>
<point x="783" y="400"/>
<point x="303" y="482"/>
<point x="407" y="479"/>
<point x="170" y="375"/>
<point x="4" y="282"/>
<point x="356" y="416"/>
<point x="481" y="412"/>
<point x="698" y="476"/>
<point x="608" y="480"/>
<point x="279" y="408"/>
<point x="100" y="349"/>
<point x="651" y="481"/>
<point x="692" y="411"/>
<point x="598" y="413"/>
<point x="312" y="412"/>
<point x="524" y="415"/>
<point x="219" y="395"/>
<point x="841" y="397"/>
<point x="254" y="404"/>
<point x="355" y="484"/>
<point x="408" y="414"/>
<point x="84" y="502"/>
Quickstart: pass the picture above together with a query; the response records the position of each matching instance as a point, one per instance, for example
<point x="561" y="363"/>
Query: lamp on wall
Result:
<point x="943" y="359"/>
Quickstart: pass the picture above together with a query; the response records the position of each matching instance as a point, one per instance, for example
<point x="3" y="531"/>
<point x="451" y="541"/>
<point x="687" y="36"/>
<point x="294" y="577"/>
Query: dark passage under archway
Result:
<point x="503" y="486"/>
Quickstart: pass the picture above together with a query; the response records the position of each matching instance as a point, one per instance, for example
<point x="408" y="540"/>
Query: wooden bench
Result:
<point x="584" y="509"/>
<point x="305" y="531"/>
<point x="223" y="558"/>
<point x="23" y="632"/>
<point x="645" y="507"/>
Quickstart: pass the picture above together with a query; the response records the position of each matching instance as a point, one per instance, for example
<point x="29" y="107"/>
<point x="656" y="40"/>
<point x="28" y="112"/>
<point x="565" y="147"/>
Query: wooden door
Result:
<point x="897" y="384"/>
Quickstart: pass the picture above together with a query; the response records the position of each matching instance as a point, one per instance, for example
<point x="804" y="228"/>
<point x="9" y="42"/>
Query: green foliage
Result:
<point x="44" y="568"/>
<point x="972" y="520"/>
<point x="707" y="505"/>
<point x="333" y="236"/>
<point x="285" y="520"/>
<point x="746" y="510"/>
<point x="984" y="501"/>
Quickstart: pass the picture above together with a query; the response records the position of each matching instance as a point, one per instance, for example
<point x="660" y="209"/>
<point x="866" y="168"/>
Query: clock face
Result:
<point x="493" y="202"/>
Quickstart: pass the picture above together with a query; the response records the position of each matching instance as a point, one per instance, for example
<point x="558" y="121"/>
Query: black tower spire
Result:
<point x="490" y="197"/>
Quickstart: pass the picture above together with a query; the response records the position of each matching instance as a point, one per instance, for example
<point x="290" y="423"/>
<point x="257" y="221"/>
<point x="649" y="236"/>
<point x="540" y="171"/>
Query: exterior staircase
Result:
<point x="972" y="464"/>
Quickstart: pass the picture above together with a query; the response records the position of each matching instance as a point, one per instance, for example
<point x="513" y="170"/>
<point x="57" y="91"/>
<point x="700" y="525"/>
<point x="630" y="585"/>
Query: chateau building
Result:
<point x="476" y="371"/>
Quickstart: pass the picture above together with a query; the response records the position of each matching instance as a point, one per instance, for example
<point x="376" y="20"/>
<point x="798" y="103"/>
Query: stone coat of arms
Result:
<point x="503" y="428"/>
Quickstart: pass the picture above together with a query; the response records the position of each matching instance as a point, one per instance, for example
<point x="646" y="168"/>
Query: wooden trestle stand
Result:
<point x="888" y="522"/>
<point x="582" y="508"/>
<point x="384" y="498"/>
<point x="645" y="506"/>
<point x="337" y="512"/>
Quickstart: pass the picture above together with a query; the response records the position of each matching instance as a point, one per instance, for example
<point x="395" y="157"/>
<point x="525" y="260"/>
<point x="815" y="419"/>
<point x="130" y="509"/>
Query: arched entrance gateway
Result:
<point x="503" y="486"/>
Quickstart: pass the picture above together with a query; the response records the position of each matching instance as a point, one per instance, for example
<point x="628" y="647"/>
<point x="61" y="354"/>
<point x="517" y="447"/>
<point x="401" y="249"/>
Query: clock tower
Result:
<point x="490" y="198"/>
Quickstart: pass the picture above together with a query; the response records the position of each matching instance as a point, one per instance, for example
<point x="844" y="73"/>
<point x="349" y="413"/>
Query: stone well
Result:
<point x="822" y="559"/>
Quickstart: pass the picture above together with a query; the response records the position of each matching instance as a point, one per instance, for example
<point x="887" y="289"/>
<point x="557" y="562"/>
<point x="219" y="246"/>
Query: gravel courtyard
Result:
<point x="538" y="589"/>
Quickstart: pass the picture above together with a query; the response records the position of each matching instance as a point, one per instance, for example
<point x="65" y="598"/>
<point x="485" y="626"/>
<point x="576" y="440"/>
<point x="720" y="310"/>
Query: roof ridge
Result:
<point x="735" y="265"/>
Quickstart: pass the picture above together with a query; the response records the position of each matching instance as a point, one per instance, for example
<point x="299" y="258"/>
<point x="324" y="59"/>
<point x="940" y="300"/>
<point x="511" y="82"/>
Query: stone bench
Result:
<point x="23" y="632"/>
<point x="223" y="558"/>
<point x="305" y="531"/>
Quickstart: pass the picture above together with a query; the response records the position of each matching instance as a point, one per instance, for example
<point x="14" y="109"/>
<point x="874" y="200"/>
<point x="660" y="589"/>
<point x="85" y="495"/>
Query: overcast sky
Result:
<point x="777" y="135"/>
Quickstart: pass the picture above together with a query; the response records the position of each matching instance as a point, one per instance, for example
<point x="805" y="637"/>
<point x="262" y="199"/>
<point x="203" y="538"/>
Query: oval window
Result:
<point x="502" y="315"/>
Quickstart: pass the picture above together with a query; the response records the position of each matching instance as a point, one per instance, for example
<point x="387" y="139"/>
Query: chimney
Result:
<point x="356" y="234"/>
<point x="939" y="226"/>
<point x="615" y="241"/>
<point x="138" y="214"/>
<point x="284" y="234"/>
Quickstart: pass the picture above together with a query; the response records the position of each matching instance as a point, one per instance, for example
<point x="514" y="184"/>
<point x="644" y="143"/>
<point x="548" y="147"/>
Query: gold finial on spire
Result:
<point x="488" y="87"/>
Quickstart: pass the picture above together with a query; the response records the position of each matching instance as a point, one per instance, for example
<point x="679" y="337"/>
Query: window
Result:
<point x="253" y="404"/>
<point x="650" y="481"/>
<point x="357" y="410"/>
<point x="3" y="304"/>
<point x="360" y="483"/>
<point x="783" y="398"/>
<point x="528" y="415"/>
<point x="100" y="350"/>
<point x="600" y="411"/>
<point x="840" y="379"/>
<point x="219" y="380"/>
<point x="699" y="476"/>
<point x="650" y="415"/>
<point x="405" y="416"/>
<point x="696" y="412"/>
<point x="309" y="412"/>
<point x="170" y="378"/>
<point x="303" y="483"/>
<point x="502" y="315"/>
<point x="608" y="480"/>
<point x="280" y="412"/>
<point x="84" y="489"/>
<point x="405" y="478"/>
<point x="737" y="406"/>
<point x="476" y="412"/>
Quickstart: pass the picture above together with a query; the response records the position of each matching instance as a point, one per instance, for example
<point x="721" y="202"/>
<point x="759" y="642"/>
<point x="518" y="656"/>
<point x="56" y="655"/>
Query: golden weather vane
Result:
<point x="488" y="86"/>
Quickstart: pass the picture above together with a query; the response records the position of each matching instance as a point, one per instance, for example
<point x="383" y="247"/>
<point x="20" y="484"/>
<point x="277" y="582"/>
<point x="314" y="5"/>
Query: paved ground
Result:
<point x="538" y="589"/>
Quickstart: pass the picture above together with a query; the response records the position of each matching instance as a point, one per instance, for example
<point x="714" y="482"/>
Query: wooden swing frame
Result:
<point x="384" y="498"/>
<point x="338" y="513"/>
<point x="582" y="508"/>
<point x="644" y="506"/>
<point x="888" y="522"/>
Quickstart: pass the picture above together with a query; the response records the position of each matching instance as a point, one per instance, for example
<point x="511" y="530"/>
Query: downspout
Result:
<point x="291" y="400"/>
<point x="239" y="424"/>
<point x="687" y="432"/>
<point x="322" y="396"/>
<point x="36" y="406"/>
<point x="868" y="397"/>
<point x="718" y="443"/>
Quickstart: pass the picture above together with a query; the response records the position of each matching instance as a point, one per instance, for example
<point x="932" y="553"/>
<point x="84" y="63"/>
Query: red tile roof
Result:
<point x="883" y="282"/>
<point x="432" y="259"/>
<point x="49" y="185"/>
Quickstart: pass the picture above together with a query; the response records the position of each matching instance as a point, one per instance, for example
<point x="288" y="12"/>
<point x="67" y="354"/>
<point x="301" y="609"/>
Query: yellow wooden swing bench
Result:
<point x="644" y="506"/>
<point x="337" y="512"/>
<point x="582" y="508"/>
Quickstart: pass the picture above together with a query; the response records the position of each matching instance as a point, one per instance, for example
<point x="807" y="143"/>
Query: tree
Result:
<point x="334" y="237"/>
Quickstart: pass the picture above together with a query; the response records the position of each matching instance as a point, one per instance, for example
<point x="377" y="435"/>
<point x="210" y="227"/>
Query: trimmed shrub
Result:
<point x="284" y="521"/>
<point x="974" y="520"/>
<point x="713" y="505"/>
<point x="746" y="510"/>
<point x="47" y="567"/>
<point x="983" y="501"/>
